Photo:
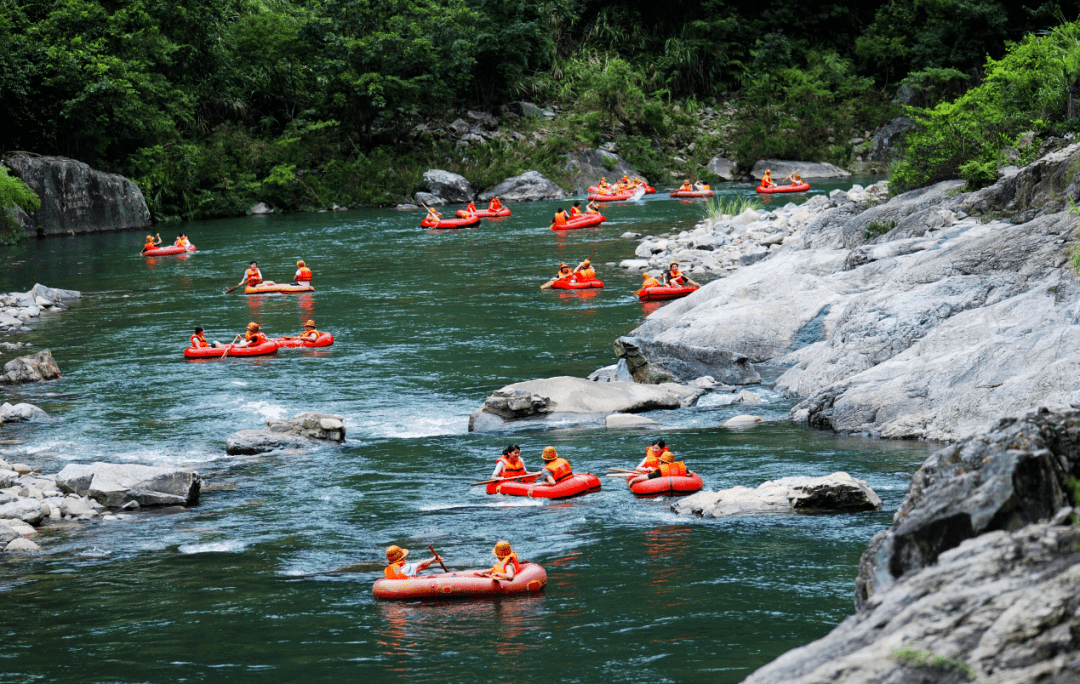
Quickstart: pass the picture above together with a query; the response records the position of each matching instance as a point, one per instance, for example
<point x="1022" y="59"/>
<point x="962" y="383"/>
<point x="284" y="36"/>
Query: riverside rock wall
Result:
<point x="75" y="198"/>
<point x="927" y="316"/>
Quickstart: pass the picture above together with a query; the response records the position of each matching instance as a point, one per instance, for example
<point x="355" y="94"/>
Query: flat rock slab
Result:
<point x="560" y="398"/>
<point x="302" y="431"/>
<point x="782" y="169"/>
<point x="836" y="493"/>
<point x="118" y="485"/>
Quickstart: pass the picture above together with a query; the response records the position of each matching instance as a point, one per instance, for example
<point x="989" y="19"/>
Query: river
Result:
<point x="269" y="577"/>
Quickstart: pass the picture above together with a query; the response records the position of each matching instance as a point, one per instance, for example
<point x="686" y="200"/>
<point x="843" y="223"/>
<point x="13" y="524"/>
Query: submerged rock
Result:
<point x="836" y="493"/>
<point x="618" y="421"/>
<point x="299" y="432"/>
<point x="35" y="368"/>
<point x="743" y="421"/>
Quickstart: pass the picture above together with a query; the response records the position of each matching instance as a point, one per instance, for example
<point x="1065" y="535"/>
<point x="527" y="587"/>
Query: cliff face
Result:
<point x="75" y="198"/>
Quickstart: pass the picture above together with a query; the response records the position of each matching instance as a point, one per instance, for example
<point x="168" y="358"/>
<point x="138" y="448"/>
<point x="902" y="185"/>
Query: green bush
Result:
<point x="876" y="229"/>
<point x="14" y="194"/>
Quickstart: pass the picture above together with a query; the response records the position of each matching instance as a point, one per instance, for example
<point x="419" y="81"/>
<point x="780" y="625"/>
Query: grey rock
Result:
<point x="459" y="127"/>
<point x="28" y="510"/>
<point x="302" y="431"/>
<point x="35" y="368"/>
<point x="888" y="140"/>
<point x="835" y="493"/>
<point x="483" y="119"/>
<point x="531" y="185"/>
<point x="260" y="209"/>
<point x="449" y="186"/>
<point x="747" y="398"/>
<point x="780" y="169"/>
<point x="115" y="485"/>
<point x="530" y="110"/>
<point x="54" y="294"/>
<point x="723" y="168"/>
<point x="752" y="255"/>
<point x="743" y="421"/>
<point x="22" y="413"/>
<point x="620" y="421"/>
<point x="75" y="198"/>
<point x="651" y="362"/>
<point x="8" y="478"/>
<point x="407" y="207"/>
<point x="6" y="535"/>
<point x="22" y="545"/>
<point x="586" y="167"/>
<point x="429" y="199"/>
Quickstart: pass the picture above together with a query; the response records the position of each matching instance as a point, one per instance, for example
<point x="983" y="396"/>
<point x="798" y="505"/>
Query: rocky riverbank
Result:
<point x="18" y="309"/>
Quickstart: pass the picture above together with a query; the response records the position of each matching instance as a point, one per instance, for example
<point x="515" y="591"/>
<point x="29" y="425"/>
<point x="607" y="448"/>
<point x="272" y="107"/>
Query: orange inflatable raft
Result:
<point x="656" y="294"/>
<point x="584" y="221"/>
<point x="230" y="351"/>
<point x="429" y="222"/>
<point x="672" y="485"/>
<point x="621" y="197"/>
<point x="484" y="213"/>
<point x="284" y="288"/>
<point x="578" y="483"/>
<point x="166" y="251"/>
<point x="801" y="187"/>
<point x="571" y="284"/>
<point x="692" y="193"/>
<point x="323" y="340"/>
<point x="462" y="584"/>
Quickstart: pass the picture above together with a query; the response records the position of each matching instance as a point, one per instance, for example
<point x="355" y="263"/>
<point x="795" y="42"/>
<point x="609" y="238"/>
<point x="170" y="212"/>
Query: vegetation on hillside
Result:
<point x="211" y="105"/>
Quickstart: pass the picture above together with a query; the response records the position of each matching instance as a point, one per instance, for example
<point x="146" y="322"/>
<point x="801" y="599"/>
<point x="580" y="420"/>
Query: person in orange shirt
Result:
<point x="592" y="207"/>
<point x="652" y="456"/>
<point x="766" y="180"/>
<point x="494" y="204"/>
<point x="151" y="243"/>
<point x="564" y="272"/>
<point x="302" y="275"/>
<point x="560" y="217"/>
<point x="647" y="281"/>
<point x="556" y="469"/>
<point x="433" y="215"/>
<point x="399" y="569"/>
<point x="470" y="208"/>
<point x="584" y="272"/>
<point x="795" y="178"/>
<point x="668" y="467"/>
<point x="182" y="240"/>
<point x="508" y="565"/>
<point x="253" y="338"/>
<point x="575" y="210"/>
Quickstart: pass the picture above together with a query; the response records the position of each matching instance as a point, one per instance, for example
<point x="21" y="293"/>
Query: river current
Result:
<point x="269" y="577"/>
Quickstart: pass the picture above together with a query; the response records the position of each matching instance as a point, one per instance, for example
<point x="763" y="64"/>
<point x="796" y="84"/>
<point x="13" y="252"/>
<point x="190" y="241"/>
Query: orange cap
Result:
<point x="253" y="326"/>
<point x="667" y="457"/>
<point x="395" y="553"/>
<point x="309" y="323"/>
<point x="502" y="549"/>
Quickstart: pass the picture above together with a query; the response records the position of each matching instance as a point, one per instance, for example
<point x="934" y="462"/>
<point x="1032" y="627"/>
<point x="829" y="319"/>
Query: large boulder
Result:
<point x="531" y="185"/>
<point x="53" y="295"/>
<point x="299" y="432"/>
<point x="586" y="167"/>
<point x="651" y="362"/>
<point x="117" y="485"/>
<point x="75" y="198"/>
<point x="836" y="493"/>
<point x="781" y="169"/>
<point x="28" y="510"/>
<point x="449" y="186"/>
<point x="722" y="168"/>
<point x="22" y="413"/>
<point x="575" y="400"/>
<point x="33" y="368"/>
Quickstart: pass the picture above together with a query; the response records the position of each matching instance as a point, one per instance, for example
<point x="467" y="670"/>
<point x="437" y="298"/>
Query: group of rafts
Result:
<point x="658" y="474"/>
<point x="254" y="342"/>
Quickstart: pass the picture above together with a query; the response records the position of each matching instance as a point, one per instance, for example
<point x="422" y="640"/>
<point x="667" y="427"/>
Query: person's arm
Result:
<point x="499" y="467"/>
<point x="423" y="565"/>
<point x="508" y="575"/>
<point x="546" y="478"/>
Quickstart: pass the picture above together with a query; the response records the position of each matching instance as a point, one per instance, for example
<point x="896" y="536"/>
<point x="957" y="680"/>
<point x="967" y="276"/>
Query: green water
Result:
<point x="241" y="587"/>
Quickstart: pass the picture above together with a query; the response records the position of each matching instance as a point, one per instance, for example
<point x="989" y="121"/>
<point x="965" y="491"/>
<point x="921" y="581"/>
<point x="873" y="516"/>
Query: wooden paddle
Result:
<point x="624" y="470"/>
<point x="229" y="347"/>
<point x="502" y="479"/>
<point x="438" y="557"/>
<point x="233" y="287"/>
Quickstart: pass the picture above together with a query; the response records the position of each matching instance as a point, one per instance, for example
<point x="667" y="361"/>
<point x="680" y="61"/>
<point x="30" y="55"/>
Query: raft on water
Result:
<point x="672" y="485"/>
<point x="621" y="197"/>
<point x="578" y="483"/>
<point x="429" y="222"/>
<point x="166" y="251"/>
<point x="656" y="294"/>
<point x="584" y="221"/>
<point x="593" y="190"/>
<point x="231" y="350"/>
<point x="484" y="213"/>
<point x="462" y="584"/>
<point x="571" y="284"/>
<point x="692" y="193"/>
<point x="323" y="340"/>
<point x="283" y="288"/>
<point x="801" y="187"/>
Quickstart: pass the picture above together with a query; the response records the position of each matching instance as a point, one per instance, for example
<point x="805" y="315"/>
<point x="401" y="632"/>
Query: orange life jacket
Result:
<point x="574" y="212"/>
<point x="676" y="468"/>
<point x="199" y="341"/>
<point x="393" y="571"/>
<point x="559" y="469"/>
<point x="303" y="275"/>
<point x="254" y="276"/>
<point x="564" y="273"/>
<point x="676" y="277"/>
<point x="560" y="218"/>
<point x="650" y="282"/>
<point x="509" y="559"/>
<point x="590" y="210"/>
<point x="685" y="186"/>
<point x="257" y="338"/>
<point x="494" y="204"/>
<point x="471" y="208"/>
<point x="586" y="274"/>
<point x="307" y="333"/>
<point x="767" y="181"/>
<point x="182" y="242"/>
<point x="510" y="468"/>
<point x="149" y="245"/>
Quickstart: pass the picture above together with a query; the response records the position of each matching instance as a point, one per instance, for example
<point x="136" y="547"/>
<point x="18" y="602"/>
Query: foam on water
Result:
<point x="229" y="546"/>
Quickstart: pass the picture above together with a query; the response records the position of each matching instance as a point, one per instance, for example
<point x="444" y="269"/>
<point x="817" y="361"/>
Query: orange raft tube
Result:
<point x="462" y="584"/>
<point x="166" y="251"/>
<point x="656" y="294"/>
<point x="569" y="283"/>
<point x="801" y="187"/>
<point x="429" y="222"/>
<point x="323" y="340"/>
<point x="692" y="193"/>
<point x="484" y="213"/>
<point x="672" y="485"/>
<point x="283" y="288"/>
<point x="578" y="483"/>
<point x="584" y="221"/>
<point x="621" y="197"/>
<point x="649" y="190"/>
<point x="230" y="350"/>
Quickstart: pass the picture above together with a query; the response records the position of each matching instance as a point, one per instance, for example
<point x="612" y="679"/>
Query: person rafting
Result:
<point x="198" y="340"/>
<point x="592" y="207"/>
<point x="433" y="215"/>
<point x="564" y="272"/>
<point x="252" y="275"/>
<point x="510" y="463"/>
<point x="584" y="272"/>
<point x="151" y="243"/>
<point x="686" y="187"/>
<point x="399" y="569"/>
<point x="302" y="275"/>
<point x="182" y="241"/>
<point x="575" y="210"/>
<point x="494" y="204"/>
<point x="470" y="209"/>
<point x="310" y="334"/>
<point x="560" y="218"/>
<point x="556" y="469"/>
<point x="652" y="456"/>
<point x="507" y="565"/>
<point x="603" y="185"/>
<point x="647" y="281"/>
<point x="668" y="467"/>
<point x="795" y="178"/>
<point x="252" y="337"/>
<point x="676" y="278"/>
<point x="766" y="180"/>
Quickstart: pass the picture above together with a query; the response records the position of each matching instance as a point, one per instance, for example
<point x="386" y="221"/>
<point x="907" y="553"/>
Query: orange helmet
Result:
<point x="253" y="326"/>
<point x="550" y="454"/>
<point x="667" y="457"/>
<point x="586" y="262"/>
<point x="300" y="263"/>
<point x="309" y="323"/>
<point x="502" y="549"/>
<point x="395" y="553"/>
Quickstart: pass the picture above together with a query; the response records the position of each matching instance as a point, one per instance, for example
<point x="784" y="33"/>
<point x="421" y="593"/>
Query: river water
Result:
<point x="269" y="577"/>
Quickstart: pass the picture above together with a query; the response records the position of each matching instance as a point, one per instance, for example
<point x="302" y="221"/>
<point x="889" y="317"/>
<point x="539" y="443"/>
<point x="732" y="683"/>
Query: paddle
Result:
<point x="502" y="479"/>
<point x="437" y="557"/>
<point x="556" y="279"/>
<point x="234" y="287"/>
<point x="230" y="346"/>
<point x="624" y="470"/>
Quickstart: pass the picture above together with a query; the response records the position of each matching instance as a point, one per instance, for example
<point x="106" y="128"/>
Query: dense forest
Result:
<point x="211" y="105"/>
